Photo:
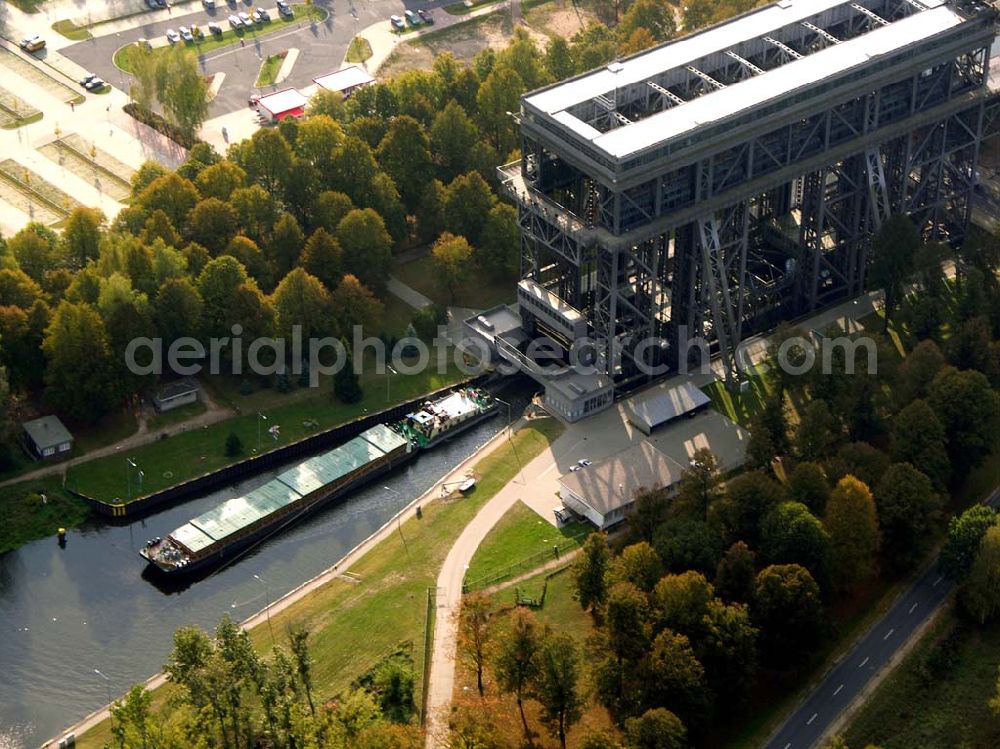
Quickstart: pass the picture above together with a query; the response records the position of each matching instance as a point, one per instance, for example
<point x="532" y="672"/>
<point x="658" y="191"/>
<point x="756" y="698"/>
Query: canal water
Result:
<point x="65" y="612"/>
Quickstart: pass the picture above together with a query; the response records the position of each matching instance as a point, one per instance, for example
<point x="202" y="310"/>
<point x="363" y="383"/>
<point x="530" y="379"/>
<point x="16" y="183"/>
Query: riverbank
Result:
<point x="385" y="602"/>
<point x="27" y="517"/>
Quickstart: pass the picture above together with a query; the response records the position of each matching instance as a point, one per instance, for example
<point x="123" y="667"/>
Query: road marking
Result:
<point x="888" y="635"/>
<point x="913" y="608"/>
<point x="937" y="581"/>
<point x="862" y="664"/>
<point x="837" y="690"/>
<point x="809" y="722"/>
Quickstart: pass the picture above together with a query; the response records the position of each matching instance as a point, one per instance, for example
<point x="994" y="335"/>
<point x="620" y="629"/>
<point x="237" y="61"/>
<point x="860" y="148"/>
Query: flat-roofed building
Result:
<point x="346" y="80"/>
<point x="707" y="188"/>
<point x="659" y="405"/>
<point x="288" y="102"/>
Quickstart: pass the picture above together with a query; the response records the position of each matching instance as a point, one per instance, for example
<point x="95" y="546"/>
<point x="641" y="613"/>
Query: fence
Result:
<point x="524" y="565"/>
<point x="428" y="646"/>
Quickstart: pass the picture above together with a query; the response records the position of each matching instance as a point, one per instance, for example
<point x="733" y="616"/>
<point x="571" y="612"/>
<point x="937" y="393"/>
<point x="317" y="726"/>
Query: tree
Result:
<point x="734" y="577"/>
<point x="807" y="483"/>
<point x="394" y="683"/>
<point x="323" y="258"/>
<point x="559" y="58"/>
<point x="220" y="180"/>
<point x="405" y="155"/>
<point x="17" y="288"/>
<point x="626" y="622"/>
<point x="790" y="534"/>
<point x="317" y="136"/>
<point x="499" y="94"/>
<point x="35" y="249"/>
<point x="965" y="533"/>
<point x="980" y="593"/>
<point x="366" y="246"/>
<point x="212" y="224"/>
<point x="852" y="524"/>
<point x="218" y="285"/>
<point x="917" y="372"/>
<point x="747" y="500"/>
<point x="816" y="433"/>
<point x="556" y="685"/>
<point x="499" y="250"/>
<point x="354" y="305"/>
<point x="82" y="235"/>
<point x="329" y="208"/>
<point x="267" y="160"/>
<point x="80" y="370"/>
<point x="301" y="299"/>
<point x="172" y="194"/>
<point x="788" y="609"/>
<point x="894" y="249"/>
<point x="640" y="39"/>
<point x="655" y="729"/>
<point x="181" y="89"/>
<point x="590" y="573"/>
<point x="677" y="676"/>
<point x="698" y="485"/>
<point x="858" y="459"/>
<point x="474" y="633"/>
<point x="906" y="505"/>
<point x="234" y="445"/>
<point x="131" y="719"/>
<point x="682" y="603"/>
<point x="918" y="438"/>
<point x="685" y="544"/>
<point x="453" y="136"/>
<point x="257" y="210"/>
<point x="637" y="564"/>
<point x="654" y="16"/>
<point x="346" y="385"/>
<point x="287" y="241"/>
<point x="468" y="200"/>
<point x="451" y="257"/>
<point x="177" y="310"/>
<point x="728" y="649"/>
<point x="250" y="256"/>
<point x="969" y="410"/>
<point x="517" y="659"/>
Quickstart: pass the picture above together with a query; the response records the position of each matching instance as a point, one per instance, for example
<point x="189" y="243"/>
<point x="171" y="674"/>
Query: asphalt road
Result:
<point x="807" y="725"/>
<point x="321" y="46"/>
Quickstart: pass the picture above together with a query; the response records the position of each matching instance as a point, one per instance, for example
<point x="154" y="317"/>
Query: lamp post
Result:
<point x="107" y="683"/>
<point x="510" y="421"/>
<point x="267" y="608"/>
<point x="129" y="465"/>
<point x="260" y="417"/>
<point x="399" y="521"/>
<point x="388" y="371"/>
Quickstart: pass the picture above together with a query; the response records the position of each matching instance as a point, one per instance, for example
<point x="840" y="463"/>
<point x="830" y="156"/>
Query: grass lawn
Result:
<point x="937" y="697"/>
<point x="355" y="625"/>
<point x="477" y="291"/>
<point x="71" y="31"/>
<point x="739" y="406"/>
<point x="359" y="50"/>
<point x="188" y="454"/>
<point x="210" y="42"/>
<point x="521" y="534"/>
<point x="25" y="518"/>
<point x="28" y="6"/>
<point x="269" y="69"/>
<point x="396" y="316"/>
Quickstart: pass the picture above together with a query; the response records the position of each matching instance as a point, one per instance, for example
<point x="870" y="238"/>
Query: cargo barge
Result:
<point x="218" y="535"/>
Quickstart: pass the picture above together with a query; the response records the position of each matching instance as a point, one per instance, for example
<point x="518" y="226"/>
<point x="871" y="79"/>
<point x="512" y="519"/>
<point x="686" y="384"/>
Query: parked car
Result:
<point x="87" y="79"/>
<point x="215" y="29"/>
<point x="209" y="4"/>
<point x="143" y="43"/>
<point x="412" y="18"/>
<point x="253" y="101"/>
<point x="425" y="16"/>
<point x="172" y="36"/>
<point x="574" y="469"/>
<point x="261" y="15"/>
<point x="285" y="9"/>
<point x="186" y="34"/>
<point x="152" y="4"/>
<point x="584" y="462"/>
<point x="245" y="18"/>
<point x="397" y="22"/>
<point x="32" y="43"/>
<point x="235" y="22"/>
<point x="94" y="84"/>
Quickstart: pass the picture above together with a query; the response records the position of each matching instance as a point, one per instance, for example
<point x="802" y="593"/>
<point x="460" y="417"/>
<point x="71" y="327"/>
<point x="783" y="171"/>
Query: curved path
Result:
<point x="563" y="450"/>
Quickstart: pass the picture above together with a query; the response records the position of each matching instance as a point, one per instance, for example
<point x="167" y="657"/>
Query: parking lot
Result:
<point x="322" y="45"/>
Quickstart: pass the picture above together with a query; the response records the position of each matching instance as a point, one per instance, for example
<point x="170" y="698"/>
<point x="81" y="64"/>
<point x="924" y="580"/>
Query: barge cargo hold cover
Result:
<point x="237" y="522"/>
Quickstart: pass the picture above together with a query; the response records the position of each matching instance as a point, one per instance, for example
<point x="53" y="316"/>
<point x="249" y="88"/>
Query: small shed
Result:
<point x="175" y="394"/>
<point x="47" y="437"/>
<point x="346" y="80"/>
<point x="656" y="407"/>
<point x="288" y="102"/>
